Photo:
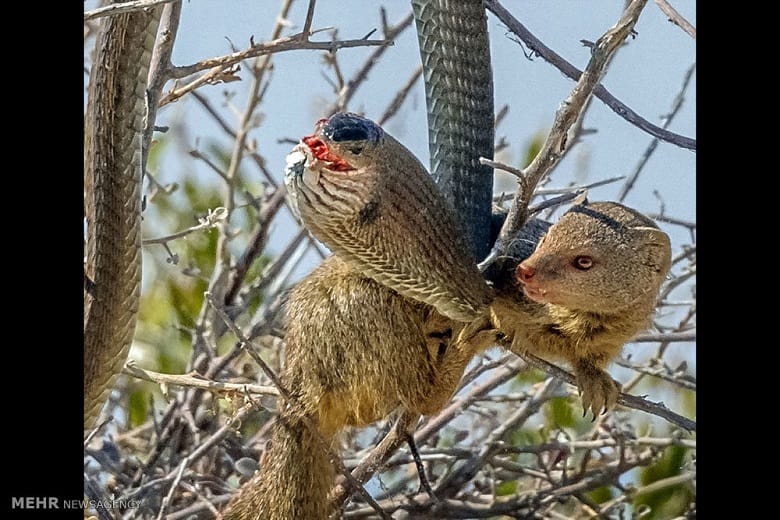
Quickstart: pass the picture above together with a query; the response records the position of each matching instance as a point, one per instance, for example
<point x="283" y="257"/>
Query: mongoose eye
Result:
<point x="356" y="150"/>
<point x="583" y="263"/>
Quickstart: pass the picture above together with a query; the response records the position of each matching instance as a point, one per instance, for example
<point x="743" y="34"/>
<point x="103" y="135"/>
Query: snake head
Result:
<point x="344" y="141"/>
<point x="342" y="151"/>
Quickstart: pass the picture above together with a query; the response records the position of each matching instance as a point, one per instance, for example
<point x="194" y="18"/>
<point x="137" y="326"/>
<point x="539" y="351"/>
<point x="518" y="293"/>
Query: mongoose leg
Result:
<point x="598" y="390"/>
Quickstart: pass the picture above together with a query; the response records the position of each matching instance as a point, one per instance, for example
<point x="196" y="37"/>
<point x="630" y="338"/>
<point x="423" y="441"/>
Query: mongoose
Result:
<point x="589" y="286"/>
<point x="380" y="325"/>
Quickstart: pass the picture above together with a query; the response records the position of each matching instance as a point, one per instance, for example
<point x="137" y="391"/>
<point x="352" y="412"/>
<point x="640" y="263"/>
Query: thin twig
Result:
<point x="661" y="372"/>
<point x="351" y="87"/>
<point x="256" y="243"/>
<point x="211" y="220"/>
<point x="678" y="101"/>
<point x="452" y="483"/>
<point x="222" y="69"/>
<point x="400" y="96"/>
<point x="167" y="499"/>
<point x="97" y="429"/>
<point x="193" y="381"/>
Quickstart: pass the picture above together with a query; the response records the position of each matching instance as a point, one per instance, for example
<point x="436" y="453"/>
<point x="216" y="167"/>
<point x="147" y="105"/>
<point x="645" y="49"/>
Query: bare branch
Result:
<point x="678" y="101"/>
<point x="346" y="93"/>
<point x="211" y="220"/>
<point x="572" y="72"/>
<point x="223" y="68"/>
<point x="558" y="142"/>
<point x="629" y="401"/>
<point x="309" y="19"/>
<point x="676" y="18"/>
<point x="670" y="336"/>
<point x="400" y="96"/>
<point x="197" y="381"/>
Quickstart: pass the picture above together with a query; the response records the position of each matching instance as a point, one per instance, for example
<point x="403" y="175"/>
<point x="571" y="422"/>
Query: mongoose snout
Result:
<point x="525" y="275"/>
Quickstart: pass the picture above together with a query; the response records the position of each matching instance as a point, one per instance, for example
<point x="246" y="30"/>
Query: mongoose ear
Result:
<point x="657" y="244"/>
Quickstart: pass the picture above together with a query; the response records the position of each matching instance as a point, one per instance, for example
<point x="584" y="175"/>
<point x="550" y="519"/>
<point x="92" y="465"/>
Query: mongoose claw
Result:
<point x="598" y="390"/>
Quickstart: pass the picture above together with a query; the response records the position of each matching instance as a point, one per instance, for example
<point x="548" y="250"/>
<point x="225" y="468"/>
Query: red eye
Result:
<point x="583" y="263"/>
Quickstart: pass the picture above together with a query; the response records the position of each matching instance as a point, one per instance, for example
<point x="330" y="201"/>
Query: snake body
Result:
<point x="455" y="51"/>
<point x="112" y="186"/>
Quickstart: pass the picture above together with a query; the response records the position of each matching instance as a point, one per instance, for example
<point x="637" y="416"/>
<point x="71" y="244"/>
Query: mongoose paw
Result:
<point x="598" y="390"/>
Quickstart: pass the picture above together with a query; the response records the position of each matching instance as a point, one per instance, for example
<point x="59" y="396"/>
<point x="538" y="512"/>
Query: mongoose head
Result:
<point x="600" y="257"/>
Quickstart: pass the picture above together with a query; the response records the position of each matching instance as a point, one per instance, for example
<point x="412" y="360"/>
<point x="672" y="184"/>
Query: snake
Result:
<point x="454" y="49"/>
<point x="114" y="125"/>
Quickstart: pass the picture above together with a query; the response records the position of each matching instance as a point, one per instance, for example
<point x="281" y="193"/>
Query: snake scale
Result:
<point x="112" y="201"/>
<point x="454" y="47"/>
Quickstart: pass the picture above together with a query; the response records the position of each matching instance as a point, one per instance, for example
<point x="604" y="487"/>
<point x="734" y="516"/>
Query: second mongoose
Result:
<point x="589" y="286"/>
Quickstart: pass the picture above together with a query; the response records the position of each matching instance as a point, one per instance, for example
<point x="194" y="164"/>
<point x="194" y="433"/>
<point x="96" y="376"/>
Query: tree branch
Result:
<point x="197" y="381"/>
<point x="676" y="18"/>
<point x="221" y="69"/>
<point x="572" y="72"/>
<point x="629" y="401"/>
<point x="558" y="140"/>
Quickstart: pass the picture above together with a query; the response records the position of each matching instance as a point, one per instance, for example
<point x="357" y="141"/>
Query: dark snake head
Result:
<point x="334" y="166"/>
<point x="347" y="127"/>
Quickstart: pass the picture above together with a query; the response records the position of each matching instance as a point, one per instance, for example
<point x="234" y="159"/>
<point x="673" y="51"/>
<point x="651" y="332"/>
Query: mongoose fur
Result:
<point x="589" y="286"/>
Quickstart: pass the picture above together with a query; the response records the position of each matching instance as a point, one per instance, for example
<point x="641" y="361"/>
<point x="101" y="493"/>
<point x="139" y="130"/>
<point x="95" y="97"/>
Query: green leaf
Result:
<point x="138" y="405"/>
<point x="671" y="501"/>
<point x="559" y="412"/>
<point x="506" y="488"/>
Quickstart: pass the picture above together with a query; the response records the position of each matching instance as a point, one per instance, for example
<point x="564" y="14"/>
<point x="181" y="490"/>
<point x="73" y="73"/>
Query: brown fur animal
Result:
<point x="588" y="288"/>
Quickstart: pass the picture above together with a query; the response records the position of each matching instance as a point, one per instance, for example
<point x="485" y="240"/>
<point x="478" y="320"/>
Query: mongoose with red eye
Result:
<point x="590" y="285"/>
